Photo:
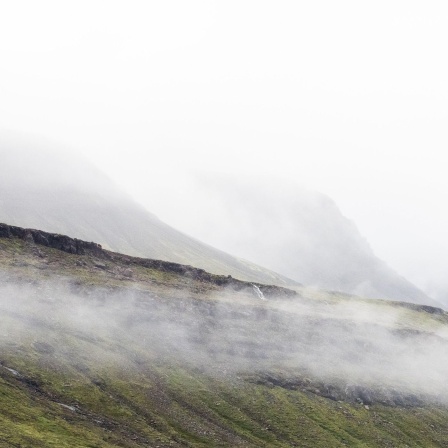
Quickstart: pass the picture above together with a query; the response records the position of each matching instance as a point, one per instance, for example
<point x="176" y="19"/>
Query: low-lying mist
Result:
<point x="336" y="344"/>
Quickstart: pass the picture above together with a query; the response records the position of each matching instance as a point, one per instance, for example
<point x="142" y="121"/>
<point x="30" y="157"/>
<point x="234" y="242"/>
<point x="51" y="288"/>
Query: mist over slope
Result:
<point x="48" y="189"/>
<point x="102" y="349"/>
<point x="298" y="232"/>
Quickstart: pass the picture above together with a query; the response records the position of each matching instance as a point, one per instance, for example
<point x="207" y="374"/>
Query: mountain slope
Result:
<point x="103" y="350"/>
<point x="300" y="233"/>
<point x="57" y="192"/>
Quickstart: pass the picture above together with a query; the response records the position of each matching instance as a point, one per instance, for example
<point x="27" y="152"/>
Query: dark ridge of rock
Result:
<point x="79" y="247"/>
<point x="53" y="240"/>
<point x="425" y="308"/>
<point x="203" y="276"/>
<point x="342" y="392"/>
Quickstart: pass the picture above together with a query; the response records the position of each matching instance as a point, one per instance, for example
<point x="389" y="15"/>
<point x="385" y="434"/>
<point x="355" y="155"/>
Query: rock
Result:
<point x="100" y="265"/>
<point x="44" y="348"/>
<point x="54" y="240"/>
<point x="5" y="231"/>
<point x="28" y="236"/>
<point x="79" y="247"/>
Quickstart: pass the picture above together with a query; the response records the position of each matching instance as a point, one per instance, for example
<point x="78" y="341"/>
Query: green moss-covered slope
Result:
<point x="102" y="352"/>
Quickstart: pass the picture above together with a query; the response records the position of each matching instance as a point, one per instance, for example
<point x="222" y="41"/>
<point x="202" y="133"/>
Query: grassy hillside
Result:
<point x="57" y="192"/>
<point x="104" y="350"/>
<point x="294" y="235"/>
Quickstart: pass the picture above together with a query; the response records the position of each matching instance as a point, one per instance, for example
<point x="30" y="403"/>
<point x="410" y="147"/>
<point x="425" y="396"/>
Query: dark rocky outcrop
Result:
<point x="79" y="247"/>
<point x="203" y="276"/>
<point x="53" y="240"/>
<point x="425" y="308"/>
<point x="343" y="392"/>
<point x="39" y="191"/>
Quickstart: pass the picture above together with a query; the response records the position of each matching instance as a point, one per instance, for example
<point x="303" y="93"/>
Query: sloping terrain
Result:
<point x="295" y="236"/>
<point x="53" y="191"/>
<point x="294" y="231"/>
<point x="99" y="349"/>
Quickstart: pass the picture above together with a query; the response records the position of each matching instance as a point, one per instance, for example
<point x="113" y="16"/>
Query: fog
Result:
<point x="340" y="346"/>
<point x="289" y="229"/>
<point x="346" y="98"/>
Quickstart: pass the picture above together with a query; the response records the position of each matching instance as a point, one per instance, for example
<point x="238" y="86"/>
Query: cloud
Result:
<point x="351" y="344"/>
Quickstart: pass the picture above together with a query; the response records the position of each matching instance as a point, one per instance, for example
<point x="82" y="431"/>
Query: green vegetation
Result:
<point x="69" y="386"/>
<point x="169" y="406"/>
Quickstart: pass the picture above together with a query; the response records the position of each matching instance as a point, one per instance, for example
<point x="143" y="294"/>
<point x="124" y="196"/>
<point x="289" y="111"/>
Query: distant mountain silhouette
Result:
<point x="299" y="233"/>
<point x="57" y="192"/>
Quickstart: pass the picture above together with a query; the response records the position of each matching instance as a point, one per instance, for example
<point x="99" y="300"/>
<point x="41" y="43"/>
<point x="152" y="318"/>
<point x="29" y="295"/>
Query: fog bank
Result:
<point x="341" y="344"/>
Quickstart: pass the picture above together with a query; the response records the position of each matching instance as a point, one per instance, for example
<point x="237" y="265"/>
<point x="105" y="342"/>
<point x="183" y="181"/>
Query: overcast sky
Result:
<point x="349" y="98"/>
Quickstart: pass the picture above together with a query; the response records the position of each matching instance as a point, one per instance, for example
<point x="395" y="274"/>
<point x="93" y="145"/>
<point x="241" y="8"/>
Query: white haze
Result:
<point x="348" y="98"/>
<point x="350" y="344"/>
